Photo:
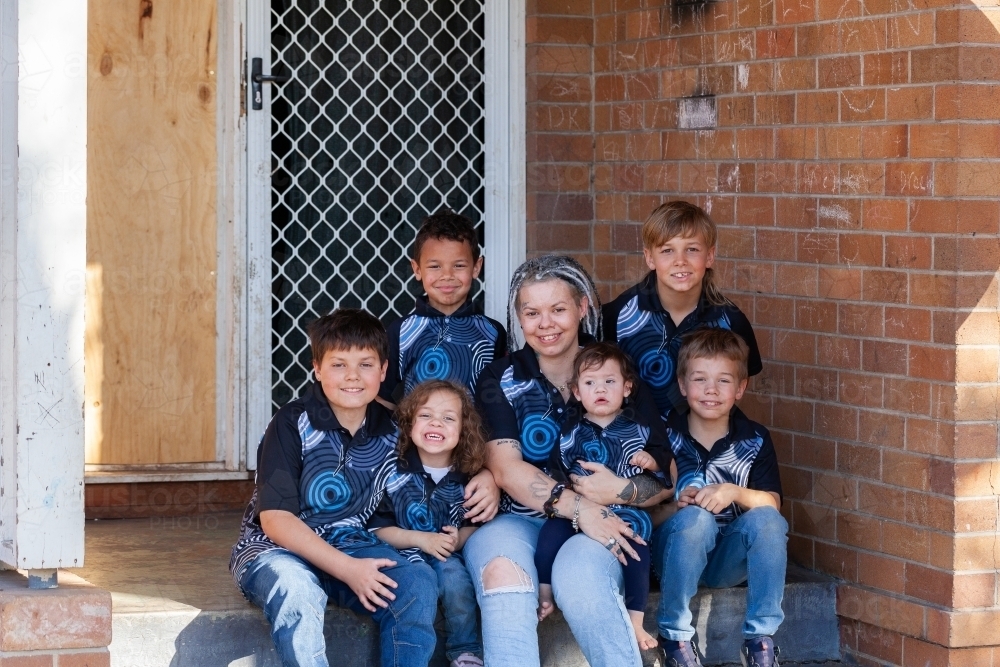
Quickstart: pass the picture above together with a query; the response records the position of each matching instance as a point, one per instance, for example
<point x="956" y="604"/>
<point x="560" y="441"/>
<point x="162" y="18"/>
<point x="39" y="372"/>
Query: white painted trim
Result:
<point x="231" y="334"/>
<point x="51" y="259"/>
<point x="8" y="279"/>
<point x="505" y="150"/>
<point x="258" y="237"/>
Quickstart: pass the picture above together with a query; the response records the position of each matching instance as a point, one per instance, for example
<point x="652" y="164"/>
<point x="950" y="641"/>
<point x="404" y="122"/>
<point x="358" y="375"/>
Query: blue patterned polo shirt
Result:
<point x="311" y="466"/>
<point x="637" y="321"/>
<point x="614" y="446"/>
<point x="518" y="403"/>
<point x="744" y="457"/>
<point x="414" y="502"/>
<point x="429" y="345"/>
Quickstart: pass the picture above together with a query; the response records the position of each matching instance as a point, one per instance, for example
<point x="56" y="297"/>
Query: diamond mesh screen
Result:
<point x="380" y="125"/>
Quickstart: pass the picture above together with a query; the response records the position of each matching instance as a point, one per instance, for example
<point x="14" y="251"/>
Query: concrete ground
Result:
<point x="175" y="604"/>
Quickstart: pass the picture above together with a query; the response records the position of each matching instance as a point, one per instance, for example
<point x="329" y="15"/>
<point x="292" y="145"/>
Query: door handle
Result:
<point x="257" y="78"/>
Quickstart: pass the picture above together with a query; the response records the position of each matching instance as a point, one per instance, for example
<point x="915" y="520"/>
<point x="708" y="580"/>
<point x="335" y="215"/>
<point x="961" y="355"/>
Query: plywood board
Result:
<point x="151" y="232"/>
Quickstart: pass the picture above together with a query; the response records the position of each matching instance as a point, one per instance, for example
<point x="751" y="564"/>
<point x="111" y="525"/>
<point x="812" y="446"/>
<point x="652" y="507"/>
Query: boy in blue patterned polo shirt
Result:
<point x="679" y="295"/>
<point x="444" y="338"/>
<point x="322" y="468"/>
<point x="727" y="528"/>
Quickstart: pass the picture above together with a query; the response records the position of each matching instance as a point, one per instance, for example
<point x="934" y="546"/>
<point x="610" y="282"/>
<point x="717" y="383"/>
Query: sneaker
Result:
<point x="759" y="652"/>
<point x="679" y="654"/>
<point x="467" y="660"/>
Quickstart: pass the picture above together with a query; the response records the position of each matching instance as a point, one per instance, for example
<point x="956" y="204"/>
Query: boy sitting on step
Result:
<point x="322" y="467"/>
<point x="727" y="528"/>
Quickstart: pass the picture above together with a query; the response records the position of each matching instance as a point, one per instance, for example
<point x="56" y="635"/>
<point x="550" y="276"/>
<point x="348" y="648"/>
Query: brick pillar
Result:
<point x="68" y="626"/>
<point x="854" y="169"/>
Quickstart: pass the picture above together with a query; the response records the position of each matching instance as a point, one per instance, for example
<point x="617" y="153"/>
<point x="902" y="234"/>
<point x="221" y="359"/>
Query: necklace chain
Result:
<point x="560" y="387"/>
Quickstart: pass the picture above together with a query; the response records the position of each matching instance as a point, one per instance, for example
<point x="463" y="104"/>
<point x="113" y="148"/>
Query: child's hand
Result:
<point x="440" y="545"/>
<point x="716" y="497"/>
<point x="687" y="496"/>
<point x="645" y="461"/>
<point x="369" y="583"/>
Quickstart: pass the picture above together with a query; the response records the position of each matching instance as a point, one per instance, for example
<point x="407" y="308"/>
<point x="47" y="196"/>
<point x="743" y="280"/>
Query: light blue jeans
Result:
<point x="293" y="595"/>
<point x="458" y="601"/>
<point x="586" y="582"/>
<point x="691" y="548"/>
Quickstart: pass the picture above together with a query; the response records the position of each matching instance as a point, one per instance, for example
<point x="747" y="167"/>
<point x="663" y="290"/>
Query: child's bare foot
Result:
<point x="646" y="640"/>
<point x="546" y="602"/>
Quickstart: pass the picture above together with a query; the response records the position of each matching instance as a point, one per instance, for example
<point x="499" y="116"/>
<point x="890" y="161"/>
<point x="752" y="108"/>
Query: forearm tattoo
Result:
<point x="640" y="489"/>
<point x="508" y="442"/>
<point x="541" y="486"/>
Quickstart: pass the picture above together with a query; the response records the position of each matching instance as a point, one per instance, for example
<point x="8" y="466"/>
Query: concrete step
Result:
<point x="174" y="605"/>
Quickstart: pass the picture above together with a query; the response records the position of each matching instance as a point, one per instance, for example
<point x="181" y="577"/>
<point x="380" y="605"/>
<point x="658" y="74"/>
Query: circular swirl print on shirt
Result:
<point x="419" y="518"/>
<point x="656" y="368"/>
<point x="328" y="493"/>
<point x="433" y="364"/>
<point x="595" y="452"/>
<point x="538" y="435"/>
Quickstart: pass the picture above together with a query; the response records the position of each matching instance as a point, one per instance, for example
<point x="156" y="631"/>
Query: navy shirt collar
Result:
<point x="649" y="298"/>
<point x="628" y="415"/>
<point x="410" y="462"/>
<point x="740" y="428"/>
<point x="423" y="308"/>
<point x="378" y="420"/>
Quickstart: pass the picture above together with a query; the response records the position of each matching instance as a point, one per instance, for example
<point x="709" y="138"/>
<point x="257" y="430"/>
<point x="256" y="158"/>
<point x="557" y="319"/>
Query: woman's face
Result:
<point x="550" y="317"/>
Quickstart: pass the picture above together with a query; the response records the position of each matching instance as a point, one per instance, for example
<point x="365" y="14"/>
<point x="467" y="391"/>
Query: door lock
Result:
<point x="257" y="77"/>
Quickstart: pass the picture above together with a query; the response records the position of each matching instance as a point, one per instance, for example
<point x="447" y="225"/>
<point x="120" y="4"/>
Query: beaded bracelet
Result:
<point x="549" y="507"/>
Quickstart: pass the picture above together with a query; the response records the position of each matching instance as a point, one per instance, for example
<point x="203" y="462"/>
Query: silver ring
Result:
<point x="611" y="543"/>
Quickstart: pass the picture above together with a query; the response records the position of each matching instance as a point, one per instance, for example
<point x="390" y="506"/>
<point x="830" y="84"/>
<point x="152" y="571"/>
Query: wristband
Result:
<point x="549" y="507"/>
<point x="576" y="515"/>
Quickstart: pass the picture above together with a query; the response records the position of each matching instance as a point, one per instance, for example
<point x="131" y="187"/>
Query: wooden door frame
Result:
<point x="246" y="135"/>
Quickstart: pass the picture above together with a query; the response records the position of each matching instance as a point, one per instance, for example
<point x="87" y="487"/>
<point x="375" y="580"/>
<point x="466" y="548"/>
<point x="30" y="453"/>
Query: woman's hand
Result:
<point x="602" y="486"/>
<point x="482" y="497"/>
<point x="604" y="526"/>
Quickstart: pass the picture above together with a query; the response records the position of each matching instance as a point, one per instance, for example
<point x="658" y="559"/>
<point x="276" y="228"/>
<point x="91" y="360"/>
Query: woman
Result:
<point x="525" y="399"/>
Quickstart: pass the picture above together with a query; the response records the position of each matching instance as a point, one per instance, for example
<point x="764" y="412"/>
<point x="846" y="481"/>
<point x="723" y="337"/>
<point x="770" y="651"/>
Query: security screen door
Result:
<point x="379" y="123"/>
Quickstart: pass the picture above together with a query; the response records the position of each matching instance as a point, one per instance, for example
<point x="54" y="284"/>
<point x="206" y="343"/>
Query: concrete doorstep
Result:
<point x="175" y="605"/>
<point x="240" y="638"/>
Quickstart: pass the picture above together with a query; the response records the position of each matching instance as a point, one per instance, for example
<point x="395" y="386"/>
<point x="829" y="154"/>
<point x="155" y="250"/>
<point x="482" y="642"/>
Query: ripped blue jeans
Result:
<point x="586" y="583"/>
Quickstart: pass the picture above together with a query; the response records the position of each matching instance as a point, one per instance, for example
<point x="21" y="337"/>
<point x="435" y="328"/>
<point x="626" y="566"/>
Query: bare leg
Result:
<point x="645" y="640"/>
<point x="546" y="601"/>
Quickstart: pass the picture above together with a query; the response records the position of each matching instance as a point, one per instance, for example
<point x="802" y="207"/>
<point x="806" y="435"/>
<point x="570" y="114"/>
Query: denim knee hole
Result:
<point x="505" y="576"/>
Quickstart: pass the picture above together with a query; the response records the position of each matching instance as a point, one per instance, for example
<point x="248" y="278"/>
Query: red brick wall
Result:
<point x="855" y="174"/>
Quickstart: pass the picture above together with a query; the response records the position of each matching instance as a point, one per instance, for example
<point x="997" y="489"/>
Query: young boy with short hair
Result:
<point x="322" y="469"/>
<point x="444" y="338"/>
<point x="727" y="529"/>
<point x="678" y="296"/>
